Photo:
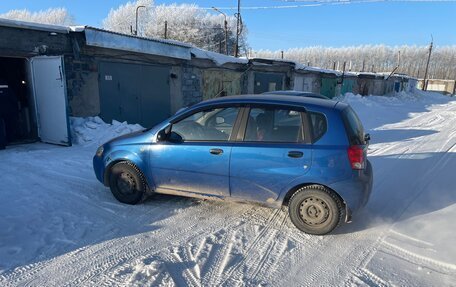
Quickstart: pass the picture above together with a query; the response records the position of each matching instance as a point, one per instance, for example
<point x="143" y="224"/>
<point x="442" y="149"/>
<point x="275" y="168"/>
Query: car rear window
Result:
<point x="353" y="126"/>
<point x="319" y="125"/>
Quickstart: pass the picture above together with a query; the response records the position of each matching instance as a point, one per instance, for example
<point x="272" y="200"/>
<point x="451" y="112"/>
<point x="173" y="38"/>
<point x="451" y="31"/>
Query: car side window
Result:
<point x="207" y="125"/>
<point x="274" y="125"/>
<point x="319" y="125"/>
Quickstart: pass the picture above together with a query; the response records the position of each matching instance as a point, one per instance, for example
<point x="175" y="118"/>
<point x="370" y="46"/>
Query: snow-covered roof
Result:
<point x="39" y="26"/>
<point x="217" y="58"/>
<point x="164" y="41"/>
<point x="272" y="60"/>
<point x="113" y="40"/>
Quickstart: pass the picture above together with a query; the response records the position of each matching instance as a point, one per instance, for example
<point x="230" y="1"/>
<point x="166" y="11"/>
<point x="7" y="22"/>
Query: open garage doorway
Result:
<point x="33" y="102"/>
<point x="16" y="105"/>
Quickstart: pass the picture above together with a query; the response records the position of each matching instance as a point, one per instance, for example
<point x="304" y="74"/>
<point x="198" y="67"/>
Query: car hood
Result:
<point x="142" y="136"/>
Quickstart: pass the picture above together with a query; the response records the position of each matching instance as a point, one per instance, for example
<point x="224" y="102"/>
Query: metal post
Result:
<point x="236" y="52"/>
<point x="424" y="87"/>
<point x="137" y="8"/>
<point x="226" y="29"/>
<point x="226" y="36"/>
<point x="282" y="54"/>
<point x="166" y="29"/>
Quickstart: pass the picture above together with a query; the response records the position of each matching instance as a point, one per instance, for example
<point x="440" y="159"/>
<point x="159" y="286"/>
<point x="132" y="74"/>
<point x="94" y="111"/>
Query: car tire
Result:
<point x="127" y="183"/>
<point x="315" y="209"/>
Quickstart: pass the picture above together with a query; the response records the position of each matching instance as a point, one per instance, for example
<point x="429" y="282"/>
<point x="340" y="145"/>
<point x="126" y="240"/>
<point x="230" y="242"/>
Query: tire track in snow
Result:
<point x="258" y="250"/>
<point x="72" y="266"/>
<point x="419" y="186"/>
<point x="211" y="228"/>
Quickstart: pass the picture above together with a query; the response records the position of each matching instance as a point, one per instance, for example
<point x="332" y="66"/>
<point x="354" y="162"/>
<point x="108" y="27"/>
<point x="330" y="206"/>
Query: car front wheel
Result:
<point x="127" y="183"/>
<point x="315" y="209"/>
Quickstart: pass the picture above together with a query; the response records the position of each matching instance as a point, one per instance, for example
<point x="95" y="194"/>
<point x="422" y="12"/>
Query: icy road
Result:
<point x="60" y="227"/>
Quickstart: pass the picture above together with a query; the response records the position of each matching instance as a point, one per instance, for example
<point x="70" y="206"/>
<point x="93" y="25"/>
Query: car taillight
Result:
<point x="356" y="156"/>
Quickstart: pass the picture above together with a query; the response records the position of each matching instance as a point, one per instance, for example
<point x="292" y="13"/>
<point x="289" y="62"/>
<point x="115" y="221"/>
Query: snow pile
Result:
<point x="390" y="108"/>
<point x="93" y="130"/>
<point x="217" y="58"/>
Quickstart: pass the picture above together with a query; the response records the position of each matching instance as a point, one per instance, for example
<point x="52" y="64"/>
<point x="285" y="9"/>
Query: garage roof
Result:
<point x="113" y="40"/>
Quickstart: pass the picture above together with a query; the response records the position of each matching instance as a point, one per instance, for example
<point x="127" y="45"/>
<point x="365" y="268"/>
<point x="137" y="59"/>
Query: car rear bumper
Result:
<point x="355" y="191"/>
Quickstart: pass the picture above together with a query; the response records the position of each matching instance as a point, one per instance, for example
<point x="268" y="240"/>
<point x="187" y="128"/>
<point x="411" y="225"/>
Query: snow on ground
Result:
<point x="60" y="227"/>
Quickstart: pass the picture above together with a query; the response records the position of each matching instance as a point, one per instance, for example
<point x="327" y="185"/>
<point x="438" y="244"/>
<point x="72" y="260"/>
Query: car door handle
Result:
<point x="216" y="151"/>
<point x="295" y="154"/>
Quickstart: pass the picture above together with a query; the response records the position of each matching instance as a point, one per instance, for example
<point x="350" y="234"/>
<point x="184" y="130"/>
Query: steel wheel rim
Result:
<point x="126" y="183"/>
<point x="314" y="211"/>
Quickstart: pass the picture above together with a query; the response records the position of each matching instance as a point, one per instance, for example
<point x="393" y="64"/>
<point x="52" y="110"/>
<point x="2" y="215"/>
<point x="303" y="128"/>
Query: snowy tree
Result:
<point x="185" y="22"/>
<point x="56" y="16"/>
<point x="377" y="58"/>
<point x="122" y="19"/>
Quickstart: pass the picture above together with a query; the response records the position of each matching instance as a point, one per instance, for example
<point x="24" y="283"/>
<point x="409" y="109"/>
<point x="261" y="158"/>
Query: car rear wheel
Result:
<point x="315" y="209"/>
<point x="127" y="183"/>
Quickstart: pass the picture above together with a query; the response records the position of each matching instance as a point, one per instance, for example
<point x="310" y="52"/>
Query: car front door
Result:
<point x="272" y="149"/>
<point x="198" y="162"/>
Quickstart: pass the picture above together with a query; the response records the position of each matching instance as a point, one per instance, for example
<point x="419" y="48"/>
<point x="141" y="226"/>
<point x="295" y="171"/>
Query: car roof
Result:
<point x="296" y="93"/>
<point x="308" y="102"/>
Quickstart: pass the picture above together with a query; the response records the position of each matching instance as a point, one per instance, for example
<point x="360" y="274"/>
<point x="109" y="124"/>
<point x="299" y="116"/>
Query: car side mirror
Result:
<point x="175" y="137"/>
<point x="163" y="134"/>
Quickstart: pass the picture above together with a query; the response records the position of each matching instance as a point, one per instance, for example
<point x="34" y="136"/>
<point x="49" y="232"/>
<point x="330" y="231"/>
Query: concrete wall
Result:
<point x="217" y="83"/>
<point x="307" y="83"/>
<point x="191" y="85"/>
<point x="82" y="86"/>
<point x="444" y="86"/>
<point x="17" y="42"/>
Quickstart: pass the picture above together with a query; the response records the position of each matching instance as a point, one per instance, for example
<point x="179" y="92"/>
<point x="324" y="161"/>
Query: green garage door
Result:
<point x="328" y="87"/>
<point x="347" y="86"/>
<point x="134" y="93"/>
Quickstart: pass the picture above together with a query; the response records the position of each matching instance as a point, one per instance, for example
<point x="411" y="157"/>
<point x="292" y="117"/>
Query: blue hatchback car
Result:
<point x="305" y="153"/>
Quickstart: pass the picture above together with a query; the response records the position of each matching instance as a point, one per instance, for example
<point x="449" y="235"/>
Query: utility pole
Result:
<point x="282" y="54"/>
<point x="424" y="88"/>
<point x="166" y="29"/>
<point x="236" y="52"/>
<point x="226" y="29"/>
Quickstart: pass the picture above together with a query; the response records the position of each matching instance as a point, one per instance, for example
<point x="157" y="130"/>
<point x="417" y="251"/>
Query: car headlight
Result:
<point x="100" y="151"/>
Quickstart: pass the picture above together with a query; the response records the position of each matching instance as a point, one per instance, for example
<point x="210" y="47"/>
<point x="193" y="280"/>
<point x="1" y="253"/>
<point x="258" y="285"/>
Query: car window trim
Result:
<point x="305" y="131"/>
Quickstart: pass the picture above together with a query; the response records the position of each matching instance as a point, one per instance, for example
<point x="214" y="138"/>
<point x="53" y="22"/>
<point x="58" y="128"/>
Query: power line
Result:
<point x="312" y="3"/>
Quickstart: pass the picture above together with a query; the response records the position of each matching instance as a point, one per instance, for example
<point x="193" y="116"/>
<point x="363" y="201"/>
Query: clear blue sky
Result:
<point x="391" y="23"/>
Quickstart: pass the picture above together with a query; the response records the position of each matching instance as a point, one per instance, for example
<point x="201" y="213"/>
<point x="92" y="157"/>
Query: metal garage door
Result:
<point x="328" y="87"/>
<point x="134" y="93"/>
<point x="268" y="82"/>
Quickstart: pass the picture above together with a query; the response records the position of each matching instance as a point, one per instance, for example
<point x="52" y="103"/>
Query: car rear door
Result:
<point x="272" y="149"/>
